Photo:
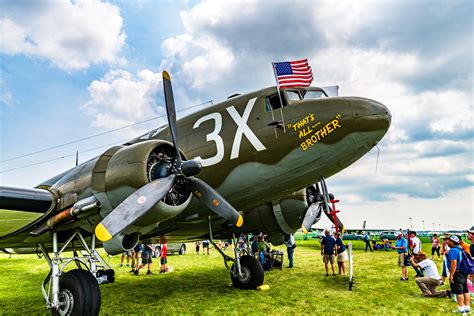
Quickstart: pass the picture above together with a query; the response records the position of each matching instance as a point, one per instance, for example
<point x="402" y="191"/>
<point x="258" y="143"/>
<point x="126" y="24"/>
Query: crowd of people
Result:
<point x="141" y="256"/>
<point x="457" y="266"/>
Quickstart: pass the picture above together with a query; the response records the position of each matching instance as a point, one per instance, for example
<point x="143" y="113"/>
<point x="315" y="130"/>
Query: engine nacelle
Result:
<point x="133" y="166"/>
<point x="279" y="218"/>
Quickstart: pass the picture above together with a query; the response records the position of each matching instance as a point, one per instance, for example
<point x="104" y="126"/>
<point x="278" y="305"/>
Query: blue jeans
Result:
<point x="290" y="255"/>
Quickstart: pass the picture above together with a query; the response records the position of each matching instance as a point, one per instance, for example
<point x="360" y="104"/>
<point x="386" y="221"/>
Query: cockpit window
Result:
<point x="293" y="95"/>
<point x="273" y="102"/>
<point x="310" y="94"/>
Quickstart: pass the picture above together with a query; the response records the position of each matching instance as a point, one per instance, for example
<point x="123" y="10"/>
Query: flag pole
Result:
<point x="279" y="96"/>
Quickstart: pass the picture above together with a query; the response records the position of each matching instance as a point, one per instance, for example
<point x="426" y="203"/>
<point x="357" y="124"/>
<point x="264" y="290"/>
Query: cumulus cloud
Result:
<point x="421" y="71"/>
<point x="121" y="98"/>
<point x="72" y="35"/>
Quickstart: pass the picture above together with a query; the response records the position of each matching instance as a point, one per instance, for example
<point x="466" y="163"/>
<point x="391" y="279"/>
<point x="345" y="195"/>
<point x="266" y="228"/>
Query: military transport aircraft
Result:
<point x="253" y="163"/>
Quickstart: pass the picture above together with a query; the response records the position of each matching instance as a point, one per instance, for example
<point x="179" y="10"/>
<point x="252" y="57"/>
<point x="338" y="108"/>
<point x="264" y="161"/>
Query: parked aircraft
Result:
<point x="240" y="166"/>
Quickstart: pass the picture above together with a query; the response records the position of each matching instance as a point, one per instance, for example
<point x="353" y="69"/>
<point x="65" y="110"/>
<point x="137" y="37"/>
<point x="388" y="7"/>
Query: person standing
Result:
<point x="147" y="257"/>
<point x="470" y="237"/>
<point x="435" y="246"/>
<point x="341" y="254"/>
<point x="415" y="247"/>
<point x="457" y="280"/>
<point x="367" y="242"/>
<point x="205" y="246"/>
<point x="164" y="258"/>
<point x="431" y="280"/>
<point x="401" y="245"/>
<point x="198" y="245"/>
<point x="290" y="248"/>
<point x="328" y="248"/>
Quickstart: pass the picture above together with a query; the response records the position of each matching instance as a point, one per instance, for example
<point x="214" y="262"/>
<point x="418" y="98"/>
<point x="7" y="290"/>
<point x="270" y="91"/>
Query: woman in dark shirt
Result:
<point x="341" y="254"/>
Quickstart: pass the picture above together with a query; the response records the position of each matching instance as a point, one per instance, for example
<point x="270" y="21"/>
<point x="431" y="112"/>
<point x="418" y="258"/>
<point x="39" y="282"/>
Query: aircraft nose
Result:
<point x="371" y="114"/>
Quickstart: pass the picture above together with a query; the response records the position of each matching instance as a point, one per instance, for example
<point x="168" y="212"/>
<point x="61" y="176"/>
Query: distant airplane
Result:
<point x="256" y="154"/>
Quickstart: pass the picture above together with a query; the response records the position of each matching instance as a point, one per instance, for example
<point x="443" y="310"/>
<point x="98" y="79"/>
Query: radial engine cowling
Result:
<point x="132" y="167"/>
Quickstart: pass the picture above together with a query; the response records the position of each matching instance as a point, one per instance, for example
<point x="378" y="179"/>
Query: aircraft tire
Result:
<point x="80" y="292"/>
<point x="253" y="274"/>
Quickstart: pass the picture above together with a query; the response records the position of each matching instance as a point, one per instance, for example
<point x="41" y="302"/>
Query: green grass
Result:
<point x="201" y="285"/>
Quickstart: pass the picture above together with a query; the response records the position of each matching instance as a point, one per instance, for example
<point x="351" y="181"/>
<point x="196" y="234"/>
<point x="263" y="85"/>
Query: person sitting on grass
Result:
<point x="328" y="248"/>
<point x="431" y="280"/>
<point x="401" y="246"/>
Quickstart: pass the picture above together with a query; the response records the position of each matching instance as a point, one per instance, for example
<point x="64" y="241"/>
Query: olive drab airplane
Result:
<point x="253" y="163"/>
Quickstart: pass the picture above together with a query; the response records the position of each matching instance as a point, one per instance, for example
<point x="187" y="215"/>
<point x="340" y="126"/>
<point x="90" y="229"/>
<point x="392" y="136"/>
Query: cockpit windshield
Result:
<point x="312" y="94"/>
<point x="297" y="95"/>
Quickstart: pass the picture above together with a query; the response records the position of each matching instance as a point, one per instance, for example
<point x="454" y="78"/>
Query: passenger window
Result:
<point x="273" y="102"/>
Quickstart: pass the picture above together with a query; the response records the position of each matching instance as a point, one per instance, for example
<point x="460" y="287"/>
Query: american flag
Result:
<point x="290" y="74"/>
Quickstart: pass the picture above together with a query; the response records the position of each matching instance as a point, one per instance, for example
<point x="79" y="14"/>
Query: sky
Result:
<point x="74" y="69"/>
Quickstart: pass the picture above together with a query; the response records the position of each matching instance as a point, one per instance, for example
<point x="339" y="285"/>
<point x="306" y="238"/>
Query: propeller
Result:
<point x="319" y="202"/>
<point x="313" y="214"/>
<point x="142" y="200"/>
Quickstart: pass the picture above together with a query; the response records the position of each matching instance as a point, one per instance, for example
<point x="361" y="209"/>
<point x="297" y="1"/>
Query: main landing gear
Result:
<point x="77" y="291"/>
<point x="246" y="272"/>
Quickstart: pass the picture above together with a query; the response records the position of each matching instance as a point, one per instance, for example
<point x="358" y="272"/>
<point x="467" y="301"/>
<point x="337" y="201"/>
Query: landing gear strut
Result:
<point x="75" y="292"/>
<point x="246" y="272"/>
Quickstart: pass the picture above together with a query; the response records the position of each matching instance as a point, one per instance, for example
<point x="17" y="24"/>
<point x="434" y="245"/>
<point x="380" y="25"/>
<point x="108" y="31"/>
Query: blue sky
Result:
<point x="74" y="69"/>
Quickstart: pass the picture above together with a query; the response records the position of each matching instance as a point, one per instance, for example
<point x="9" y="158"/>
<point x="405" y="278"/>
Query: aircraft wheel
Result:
<point x="252" y="274"/>
<point x="79" y="294"/>
<point x="182" y="249"/>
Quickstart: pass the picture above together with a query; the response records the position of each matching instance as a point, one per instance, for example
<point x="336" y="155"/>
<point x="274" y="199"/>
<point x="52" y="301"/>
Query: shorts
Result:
<point x="459" y="285"/>
<point x="127" y="253"/>
<point x="164" y="260"/>
<point x="327" y="258"/>
<point x="146" y="258"/>
<point x="342" y="256"/>
<point x="401" y="259"/>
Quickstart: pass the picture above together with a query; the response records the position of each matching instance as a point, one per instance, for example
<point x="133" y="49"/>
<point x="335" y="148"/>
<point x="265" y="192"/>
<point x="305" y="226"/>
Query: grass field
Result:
<point x="201" y="285"/>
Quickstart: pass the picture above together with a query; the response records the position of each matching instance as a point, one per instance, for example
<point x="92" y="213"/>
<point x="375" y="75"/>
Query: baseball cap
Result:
<point x="398" y="234"/>
<point x="454" y="238"/>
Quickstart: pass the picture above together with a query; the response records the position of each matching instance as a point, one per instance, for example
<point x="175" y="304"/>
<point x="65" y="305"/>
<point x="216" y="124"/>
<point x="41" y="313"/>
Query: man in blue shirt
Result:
<point x="328" y="248"/>
<point x="401" y="245"/>
<point x="457" y="280"/>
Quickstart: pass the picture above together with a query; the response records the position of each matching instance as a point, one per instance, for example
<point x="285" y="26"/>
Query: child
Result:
<point x="164" y="258"/>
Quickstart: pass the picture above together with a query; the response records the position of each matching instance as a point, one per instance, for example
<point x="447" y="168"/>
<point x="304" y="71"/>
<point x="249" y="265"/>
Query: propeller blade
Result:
<point x="170" y="110"/>
<point x="133" y="207"/>
<point x="215" y="202"/>
<point x="313" y="214"/>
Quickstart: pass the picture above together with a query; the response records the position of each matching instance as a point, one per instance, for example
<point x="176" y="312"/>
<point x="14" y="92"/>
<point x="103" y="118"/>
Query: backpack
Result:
<point x="467" y="264"/>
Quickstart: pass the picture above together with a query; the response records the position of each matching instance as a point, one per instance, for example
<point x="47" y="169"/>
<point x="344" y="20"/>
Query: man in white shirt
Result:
<point x="415" y="246"/>
<point x="431" y="280"/>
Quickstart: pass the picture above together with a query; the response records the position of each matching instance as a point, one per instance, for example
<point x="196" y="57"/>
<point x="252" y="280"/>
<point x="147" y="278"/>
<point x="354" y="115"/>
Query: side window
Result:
<point x="273" y="102"/>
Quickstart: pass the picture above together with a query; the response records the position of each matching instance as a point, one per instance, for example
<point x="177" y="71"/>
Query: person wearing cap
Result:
<point x="431" y="280"/>
<point x="401" y="245"/>
<point x="470" y="237"/>
<point x="457" y="280"/>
